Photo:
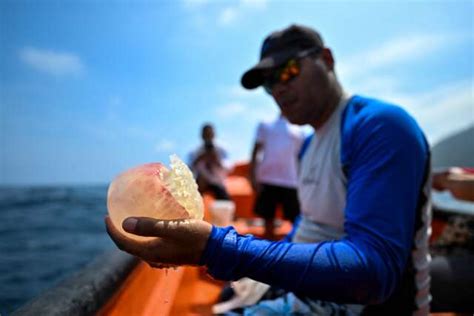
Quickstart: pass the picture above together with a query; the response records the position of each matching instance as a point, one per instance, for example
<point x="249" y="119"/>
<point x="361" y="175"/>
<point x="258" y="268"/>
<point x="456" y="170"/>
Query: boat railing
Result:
<point x="86" y="291"/>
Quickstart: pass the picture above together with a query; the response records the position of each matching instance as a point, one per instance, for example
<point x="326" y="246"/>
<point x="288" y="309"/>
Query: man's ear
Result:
<point x="326" y="56"/>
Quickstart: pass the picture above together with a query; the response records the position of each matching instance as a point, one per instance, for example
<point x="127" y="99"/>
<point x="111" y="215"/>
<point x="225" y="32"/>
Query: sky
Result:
<point x="91" y="88"/>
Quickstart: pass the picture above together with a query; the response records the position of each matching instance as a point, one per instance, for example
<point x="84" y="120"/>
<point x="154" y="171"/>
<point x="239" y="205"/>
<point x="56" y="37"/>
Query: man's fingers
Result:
<point x="151" y="227"/>
<point x="147" y="227"/>
<point x="179" y="241"/>
<point x="142" y="226"/>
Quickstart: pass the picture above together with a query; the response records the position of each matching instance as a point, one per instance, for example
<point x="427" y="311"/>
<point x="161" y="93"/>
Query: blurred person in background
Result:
<point x="273" y="171"/>
<point x="209" y="165"/>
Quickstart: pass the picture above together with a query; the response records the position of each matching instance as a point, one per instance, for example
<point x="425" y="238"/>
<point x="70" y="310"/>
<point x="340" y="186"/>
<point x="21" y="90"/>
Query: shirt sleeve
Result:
<point x="387" y="166"/>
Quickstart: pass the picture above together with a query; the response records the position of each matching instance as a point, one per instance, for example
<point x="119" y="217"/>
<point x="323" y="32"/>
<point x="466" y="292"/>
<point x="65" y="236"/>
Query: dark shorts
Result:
<point x="219" y="192"/>
<point x="271" y="196"/>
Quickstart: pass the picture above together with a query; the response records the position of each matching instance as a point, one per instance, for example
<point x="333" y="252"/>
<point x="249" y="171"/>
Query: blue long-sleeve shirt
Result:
<point x="386" y="159"/>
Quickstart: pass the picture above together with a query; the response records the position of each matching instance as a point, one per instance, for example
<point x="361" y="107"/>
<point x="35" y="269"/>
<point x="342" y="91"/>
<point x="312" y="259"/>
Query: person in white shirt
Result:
<point x="273" y="170"/>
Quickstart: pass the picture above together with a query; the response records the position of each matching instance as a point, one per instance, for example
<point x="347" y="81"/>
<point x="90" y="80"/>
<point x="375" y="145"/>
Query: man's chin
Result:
<point x="295" y="120"/>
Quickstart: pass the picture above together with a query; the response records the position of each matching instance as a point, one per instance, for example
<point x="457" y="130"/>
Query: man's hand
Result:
<point x="179" y="242"/>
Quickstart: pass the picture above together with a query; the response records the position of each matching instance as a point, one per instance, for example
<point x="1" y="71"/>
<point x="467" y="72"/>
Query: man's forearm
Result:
<point x="336" y="271"/>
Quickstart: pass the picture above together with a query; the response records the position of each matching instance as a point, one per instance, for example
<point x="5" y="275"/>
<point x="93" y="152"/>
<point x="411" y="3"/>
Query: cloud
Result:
<point x="232" y="14"/>
<point x="230" y="110"/>
<point x="441" y="110"/>
<point x="228" y="16"/>
<point x="393" y="52"/>
<point x="165" y="146"/>
<point x="51" y="62"/>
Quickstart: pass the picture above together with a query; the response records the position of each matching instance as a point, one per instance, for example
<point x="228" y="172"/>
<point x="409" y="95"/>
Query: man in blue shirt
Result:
<point x="361" y="245"/>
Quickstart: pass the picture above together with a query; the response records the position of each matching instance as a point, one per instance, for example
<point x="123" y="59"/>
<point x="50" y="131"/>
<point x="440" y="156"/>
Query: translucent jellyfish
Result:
<point x="152" y="190"/>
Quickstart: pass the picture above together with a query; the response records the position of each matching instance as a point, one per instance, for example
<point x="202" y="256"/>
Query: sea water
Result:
<point x="46" y="234"/>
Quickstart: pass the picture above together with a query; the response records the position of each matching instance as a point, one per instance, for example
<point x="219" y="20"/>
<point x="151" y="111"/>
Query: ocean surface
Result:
<point x="46" y="234"/>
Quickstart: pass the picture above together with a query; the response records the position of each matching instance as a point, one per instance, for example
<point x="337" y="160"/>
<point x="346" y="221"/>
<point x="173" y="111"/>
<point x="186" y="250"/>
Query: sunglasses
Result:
<point x="287" y="72"/>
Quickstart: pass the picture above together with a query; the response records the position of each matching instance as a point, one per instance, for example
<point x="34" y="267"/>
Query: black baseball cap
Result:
<point x="280" y="46"/>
